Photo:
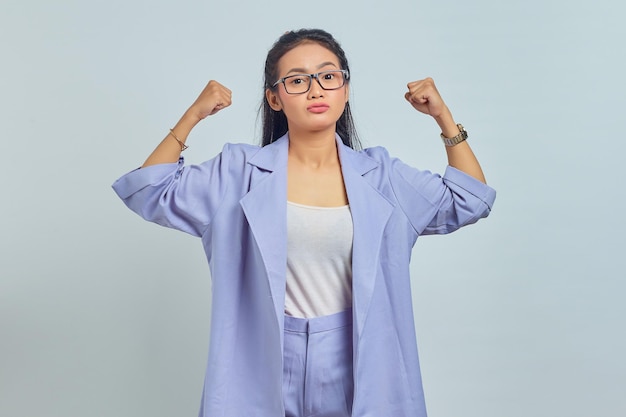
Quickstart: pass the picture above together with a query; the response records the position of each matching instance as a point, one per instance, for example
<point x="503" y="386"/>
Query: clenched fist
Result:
<point x="424" y="97"/>
<point x="212" y="99"/>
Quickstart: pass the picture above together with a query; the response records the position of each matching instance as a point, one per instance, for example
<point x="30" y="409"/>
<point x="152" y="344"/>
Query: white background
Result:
<point x="102" y="314"/>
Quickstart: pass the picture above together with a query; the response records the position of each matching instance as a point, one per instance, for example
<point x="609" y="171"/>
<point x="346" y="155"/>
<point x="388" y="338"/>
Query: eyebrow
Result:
<point x="303" y="71"/>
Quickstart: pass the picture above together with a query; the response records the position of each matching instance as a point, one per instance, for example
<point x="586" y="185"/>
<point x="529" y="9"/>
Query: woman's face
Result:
<point x="317" y="110"/>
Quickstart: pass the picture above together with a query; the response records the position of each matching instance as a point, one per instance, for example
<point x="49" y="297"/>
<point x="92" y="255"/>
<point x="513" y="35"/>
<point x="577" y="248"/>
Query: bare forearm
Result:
<point x="460" y="156"/>
<point x="169" y="149"/>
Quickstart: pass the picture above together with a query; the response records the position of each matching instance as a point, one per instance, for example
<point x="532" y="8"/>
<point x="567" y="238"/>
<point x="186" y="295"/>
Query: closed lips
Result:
<point x="317" y="107"/>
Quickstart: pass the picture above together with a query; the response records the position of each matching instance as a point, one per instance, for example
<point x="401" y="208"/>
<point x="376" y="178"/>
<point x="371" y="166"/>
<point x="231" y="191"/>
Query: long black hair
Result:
<point x="275" y="122"/>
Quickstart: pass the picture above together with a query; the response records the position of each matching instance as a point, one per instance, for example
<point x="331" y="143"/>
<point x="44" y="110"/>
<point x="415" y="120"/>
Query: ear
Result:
<point x="347" y="92"/>
<point x="273" y="100"/>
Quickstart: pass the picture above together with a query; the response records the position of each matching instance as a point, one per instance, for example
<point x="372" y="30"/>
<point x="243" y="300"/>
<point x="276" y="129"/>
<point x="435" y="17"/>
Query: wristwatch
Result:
<point x="457" y="139"/>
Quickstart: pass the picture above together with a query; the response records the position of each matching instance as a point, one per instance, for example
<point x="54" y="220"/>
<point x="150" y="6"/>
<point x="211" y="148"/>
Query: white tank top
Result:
<point x="319" y="260"/>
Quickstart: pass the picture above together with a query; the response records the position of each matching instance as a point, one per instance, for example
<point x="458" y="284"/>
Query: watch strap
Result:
<point x="456" y="139"/>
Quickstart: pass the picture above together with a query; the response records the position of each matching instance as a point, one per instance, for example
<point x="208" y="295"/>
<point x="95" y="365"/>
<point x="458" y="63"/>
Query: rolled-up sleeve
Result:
<point x="175" y="195"/>
<point x="440" y="205"/>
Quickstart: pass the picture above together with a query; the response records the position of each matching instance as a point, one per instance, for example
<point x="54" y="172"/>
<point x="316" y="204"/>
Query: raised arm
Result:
<point x="424" y="97"/>
<point x="212" y="99"/>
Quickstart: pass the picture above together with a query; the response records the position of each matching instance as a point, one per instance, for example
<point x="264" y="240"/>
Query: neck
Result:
<point x="313" y="149"/>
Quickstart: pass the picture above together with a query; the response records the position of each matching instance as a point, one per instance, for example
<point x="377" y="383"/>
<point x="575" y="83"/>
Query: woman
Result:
<point x="309" y="240"/>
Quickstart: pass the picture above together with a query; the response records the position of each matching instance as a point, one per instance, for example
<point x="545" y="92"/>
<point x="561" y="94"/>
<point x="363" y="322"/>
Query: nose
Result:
<point x="316" y="89"/>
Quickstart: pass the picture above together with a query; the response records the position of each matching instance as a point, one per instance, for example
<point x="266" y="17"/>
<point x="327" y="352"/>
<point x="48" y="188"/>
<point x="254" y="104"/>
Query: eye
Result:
<point x="297" y="79"/>
<point x="329" y="75"/>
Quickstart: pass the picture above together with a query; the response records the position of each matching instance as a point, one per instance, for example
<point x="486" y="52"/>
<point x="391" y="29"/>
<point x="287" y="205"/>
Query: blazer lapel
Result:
<point x="370" y="213"/>
<point x="265" y="208"/>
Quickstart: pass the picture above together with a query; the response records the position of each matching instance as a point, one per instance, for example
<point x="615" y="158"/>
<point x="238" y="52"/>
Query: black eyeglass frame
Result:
<point x="346" y="77"/>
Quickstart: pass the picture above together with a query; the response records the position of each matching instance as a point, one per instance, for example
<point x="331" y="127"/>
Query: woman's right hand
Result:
<point x="212" y="99"/>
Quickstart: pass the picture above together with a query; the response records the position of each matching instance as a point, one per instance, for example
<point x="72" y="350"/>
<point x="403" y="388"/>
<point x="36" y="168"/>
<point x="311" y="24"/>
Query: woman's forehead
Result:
<point x="307" y="57"/>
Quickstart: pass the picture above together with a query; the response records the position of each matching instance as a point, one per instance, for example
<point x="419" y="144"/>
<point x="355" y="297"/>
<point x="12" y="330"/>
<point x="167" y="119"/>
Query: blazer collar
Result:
<point x="272" y="156"/>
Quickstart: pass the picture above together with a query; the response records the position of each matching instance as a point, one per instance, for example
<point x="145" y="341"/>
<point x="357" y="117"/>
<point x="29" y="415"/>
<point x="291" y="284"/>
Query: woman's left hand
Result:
<point x="424" y="97"/>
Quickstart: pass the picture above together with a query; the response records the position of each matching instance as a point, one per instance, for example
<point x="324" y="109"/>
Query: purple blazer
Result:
<point x="236" y="203"/>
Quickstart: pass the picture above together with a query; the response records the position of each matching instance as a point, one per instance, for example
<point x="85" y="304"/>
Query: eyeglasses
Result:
<point x="301" y="83"/>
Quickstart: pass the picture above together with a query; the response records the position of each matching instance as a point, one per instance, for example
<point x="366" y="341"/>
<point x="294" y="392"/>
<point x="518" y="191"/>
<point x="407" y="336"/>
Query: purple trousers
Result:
<point x="317" y="373"/>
